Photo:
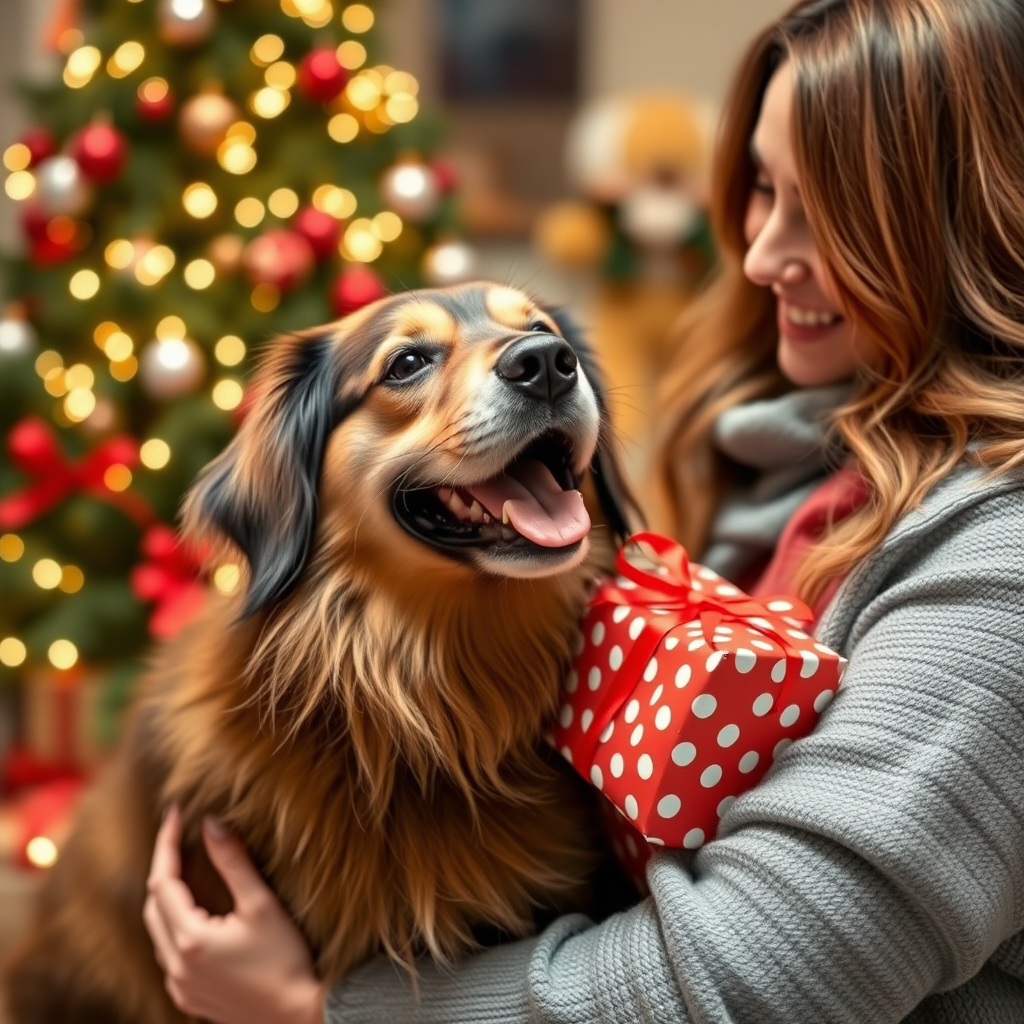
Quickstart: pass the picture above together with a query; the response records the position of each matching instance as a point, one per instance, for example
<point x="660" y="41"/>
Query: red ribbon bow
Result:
<point x="36" y="451"/>
<point x="671" y="587"/>
<point x="170" y="577"/>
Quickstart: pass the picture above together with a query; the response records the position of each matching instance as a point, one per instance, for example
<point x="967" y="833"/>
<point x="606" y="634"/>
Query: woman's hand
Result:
<point x="251" y="966"/>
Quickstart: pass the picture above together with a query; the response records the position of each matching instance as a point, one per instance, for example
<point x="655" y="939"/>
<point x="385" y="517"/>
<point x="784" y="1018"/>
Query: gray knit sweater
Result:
<point x="876" y="873"/>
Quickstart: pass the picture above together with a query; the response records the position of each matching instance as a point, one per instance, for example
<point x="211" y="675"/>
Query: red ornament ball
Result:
<point x="321" y="76"/>
<point x="320" y="229"/>
<point x="155" y="101"/>
<point x="280" y="257"/>
<point x="34" y="220"/>
<point x="40" y="144"/>
<point x="446" y="175"/>
<point x="99" y="151"/>
<point x="355" y="288"/>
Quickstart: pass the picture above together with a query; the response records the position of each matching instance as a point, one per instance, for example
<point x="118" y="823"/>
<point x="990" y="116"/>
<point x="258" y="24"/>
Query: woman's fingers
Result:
<point x="232" y="861"/>
<point x="172" y="898"/>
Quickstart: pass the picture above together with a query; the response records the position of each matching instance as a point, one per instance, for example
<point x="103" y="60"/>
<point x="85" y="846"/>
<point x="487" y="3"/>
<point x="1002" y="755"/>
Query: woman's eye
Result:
<point x="406" y="365"/>
<point x="763" y="187"/>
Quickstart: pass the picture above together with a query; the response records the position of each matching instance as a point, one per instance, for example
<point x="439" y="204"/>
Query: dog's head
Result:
<point x="448" y="428"/>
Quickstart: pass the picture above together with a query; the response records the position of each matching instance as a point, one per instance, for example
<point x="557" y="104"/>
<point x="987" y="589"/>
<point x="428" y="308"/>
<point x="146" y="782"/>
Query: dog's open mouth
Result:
<point x="532" y="505"/>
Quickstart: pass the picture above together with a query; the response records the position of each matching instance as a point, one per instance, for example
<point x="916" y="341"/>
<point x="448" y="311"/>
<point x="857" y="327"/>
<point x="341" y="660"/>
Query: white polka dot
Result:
<point x="704" y="705"/>
<point x="594" y="678"/>
<point x="597" y="776"/>
<point x="615" y="658"/>
<point x="660" y="611"/>
<point x="780" y="747"/>
<point x="668" y="806"/>
<point x="636" y="627"/>
<point x="823" y="649"/>
<point x="724" y="630"/>
<point x="631" y="846"/>
<point x="810" y="664"/>
<point x="671" y="643"/>
<point x="761" y="645"/>
<point x="790" y="715"/>
<point x="636" y="736"/>
<point x="632" y="710"/>
<point x="683" y="754"/>
<point x="696" y="585"/>
<point x="663" y="717"/>
<point x="763" y="623"/>
<point x="728" y="736"/>
<point x="632" y="808"/>
<point x="656" y="696"/>
<point x="796" y="634"/>
<point x="706" y="574"/>
<point x="577" y="645"/>
<point x="779" y="671"/>
<point x="780" y="606"/>
<point x="748" y="762"/>
<point x="654" y="841"/>
<point x="624" y="584"/>
<point x="726" y="590"/>
<point x="572" y="680"/>
<point x="662" y="570"/>
<point x="620" y="613"/>
<point x="651" y="671"/>
<point x="694" y="839"/>
<point x="695" y="632"/>
<point x="617" y="765"/>
<point x="645" y="766"/>
<point x="711" y="776"/>
<point x="763" y="704"/>
<point x="745" y="660"/>
<point x="683" y="675"/>
<point x="714" y="660"/>
<point x="725" y="804"/>
<point x="586" y="719"/>
<point x="694" y="645"/>
<point x="597" y="634"/>
<point x="823" y="700"/>
<point x="607" y="734"/>
<point x="565" y="716"/>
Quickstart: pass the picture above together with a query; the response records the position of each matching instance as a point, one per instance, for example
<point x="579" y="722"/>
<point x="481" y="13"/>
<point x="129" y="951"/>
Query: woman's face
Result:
<point x="816" y="343"/>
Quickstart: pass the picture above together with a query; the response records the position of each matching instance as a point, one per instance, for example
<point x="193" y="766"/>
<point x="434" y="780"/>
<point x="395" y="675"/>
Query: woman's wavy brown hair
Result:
<point x="909" y="140"/>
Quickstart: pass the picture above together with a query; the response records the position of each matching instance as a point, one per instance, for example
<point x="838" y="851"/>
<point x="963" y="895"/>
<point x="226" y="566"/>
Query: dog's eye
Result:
<point x="406" y="364"/>
<point x="539" y="327"/>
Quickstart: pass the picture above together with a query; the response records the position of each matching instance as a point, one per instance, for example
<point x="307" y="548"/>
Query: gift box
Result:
<point x="61" y="711"/>
<point x="683" y="692"/>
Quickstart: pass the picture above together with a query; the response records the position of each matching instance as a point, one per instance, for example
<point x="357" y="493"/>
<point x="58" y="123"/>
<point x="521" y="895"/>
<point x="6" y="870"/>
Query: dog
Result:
<point x="366" y="711"/>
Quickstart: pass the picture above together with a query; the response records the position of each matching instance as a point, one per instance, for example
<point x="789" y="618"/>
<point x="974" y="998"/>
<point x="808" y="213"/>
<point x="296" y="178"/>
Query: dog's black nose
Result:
<point x="542" y="366"/>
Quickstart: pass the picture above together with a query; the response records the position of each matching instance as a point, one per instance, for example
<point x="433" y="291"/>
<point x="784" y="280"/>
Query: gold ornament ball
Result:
<point x="225" y="253"/>
<point x="204" y="121"/>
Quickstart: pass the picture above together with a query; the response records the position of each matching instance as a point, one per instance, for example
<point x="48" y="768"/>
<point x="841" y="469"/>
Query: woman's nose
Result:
<point x="774" y="258"/>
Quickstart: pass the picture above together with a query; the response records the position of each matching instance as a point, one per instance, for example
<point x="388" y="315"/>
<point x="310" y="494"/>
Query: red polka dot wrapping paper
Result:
<point x="683" y="692"/>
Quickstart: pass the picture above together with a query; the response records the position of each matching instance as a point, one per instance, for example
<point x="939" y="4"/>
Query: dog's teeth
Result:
<point x="476" y="511"/>
<point x="504" y="514"/>
<point x="487" y="519"/>
<point x="457" y="505"/>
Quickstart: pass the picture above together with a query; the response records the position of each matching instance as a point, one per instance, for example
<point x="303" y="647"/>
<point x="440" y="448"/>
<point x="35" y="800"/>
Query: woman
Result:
<point x="869" y="176"/>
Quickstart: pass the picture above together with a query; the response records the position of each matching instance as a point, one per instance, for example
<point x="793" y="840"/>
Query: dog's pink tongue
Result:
<point x="536" y="506"/>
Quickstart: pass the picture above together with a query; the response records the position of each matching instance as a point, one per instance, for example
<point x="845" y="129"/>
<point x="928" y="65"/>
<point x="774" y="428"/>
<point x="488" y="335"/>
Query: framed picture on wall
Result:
<point x="512" y="50"/>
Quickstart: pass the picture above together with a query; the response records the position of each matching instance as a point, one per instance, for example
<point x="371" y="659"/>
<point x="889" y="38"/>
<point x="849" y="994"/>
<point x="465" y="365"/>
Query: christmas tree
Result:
<point x="207" y="174"/>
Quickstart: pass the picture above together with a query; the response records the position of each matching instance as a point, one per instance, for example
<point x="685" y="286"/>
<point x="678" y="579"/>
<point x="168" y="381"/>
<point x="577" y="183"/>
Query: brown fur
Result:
<point x="372" y="732"/>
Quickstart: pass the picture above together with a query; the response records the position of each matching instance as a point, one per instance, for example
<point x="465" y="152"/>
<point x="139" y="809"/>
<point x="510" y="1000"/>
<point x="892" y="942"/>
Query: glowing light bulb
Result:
<point x="84" y="284"/>
<point x="155" y="453"/>
<point x="12" y="652"/>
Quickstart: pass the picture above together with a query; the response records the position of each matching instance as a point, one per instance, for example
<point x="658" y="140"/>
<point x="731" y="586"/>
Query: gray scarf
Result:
<point x="785" y="440"/>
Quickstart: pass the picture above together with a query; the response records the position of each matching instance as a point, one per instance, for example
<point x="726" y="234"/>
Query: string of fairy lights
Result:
<point x="374" y="99"/>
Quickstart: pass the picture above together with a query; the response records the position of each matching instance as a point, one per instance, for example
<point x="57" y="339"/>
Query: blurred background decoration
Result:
<point x="186" y="178"/>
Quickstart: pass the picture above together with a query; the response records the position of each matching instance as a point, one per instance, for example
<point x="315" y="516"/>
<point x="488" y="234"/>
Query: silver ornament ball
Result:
<point x="450" y="263"/>
<point x="17" y="337"/>
<point x="171" y="367"/>
<point x="185" y="22"/>
<point x="61" y="186"/>
<point x="411" y="190"/>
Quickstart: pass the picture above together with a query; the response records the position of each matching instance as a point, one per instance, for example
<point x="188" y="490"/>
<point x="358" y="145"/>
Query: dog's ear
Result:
<point x="260" y="493"/>
<point x="617" y="502"/>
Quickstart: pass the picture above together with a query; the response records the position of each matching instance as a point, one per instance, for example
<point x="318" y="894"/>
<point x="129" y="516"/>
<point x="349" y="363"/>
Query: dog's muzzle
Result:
<point x="541" y="367"/>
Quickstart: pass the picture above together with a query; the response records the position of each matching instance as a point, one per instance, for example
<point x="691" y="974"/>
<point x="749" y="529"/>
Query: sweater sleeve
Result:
<point x="880" y="860"/>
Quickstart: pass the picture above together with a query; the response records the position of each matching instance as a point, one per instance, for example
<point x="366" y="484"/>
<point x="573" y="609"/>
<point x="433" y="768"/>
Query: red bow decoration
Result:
<point x="36" y="451"/>
<point x="671" y="587"/>
<point x="171" y="578"/>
